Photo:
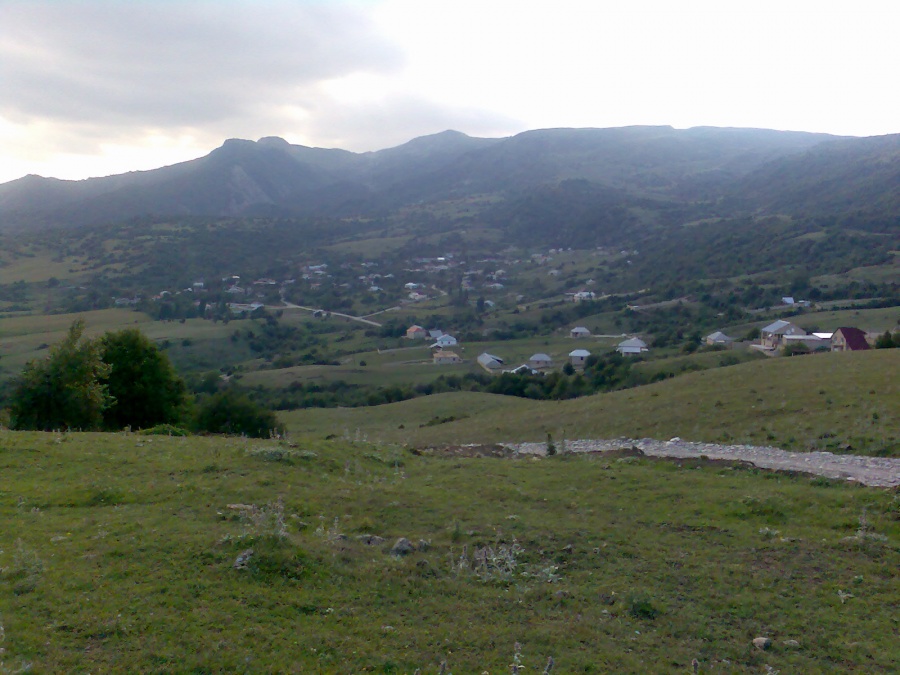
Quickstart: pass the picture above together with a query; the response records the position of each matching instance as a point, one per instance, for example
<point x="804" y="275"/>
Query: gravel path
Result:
<point x="873" y="471"/>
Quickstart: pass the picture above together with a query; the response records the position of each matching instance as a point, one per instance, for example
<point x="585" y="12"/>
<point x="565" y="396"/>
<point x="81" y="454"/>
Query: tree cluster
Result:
<point x="122" y="380"/>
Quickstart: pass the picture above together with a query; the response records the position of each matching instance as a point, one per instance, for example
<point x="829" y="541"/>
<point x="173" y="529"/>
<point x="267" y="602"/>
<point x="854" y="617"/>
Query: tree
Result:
<point x="64" y="390"/>
<point x="145" y="388"/>
<point x="231" y="412"/>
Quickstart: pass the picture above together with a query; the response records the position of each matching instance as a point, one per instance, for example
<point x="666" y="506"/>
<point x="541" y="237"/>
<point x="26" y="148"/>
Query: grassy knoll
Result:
<point x="117" y="554"/>
<point x="819" y="401"/>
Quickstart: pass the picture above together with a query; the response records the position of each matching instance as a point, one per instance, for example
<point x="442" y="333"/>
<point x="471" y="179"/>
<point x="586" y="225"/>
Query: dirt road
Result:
<point x="872" y="471"/>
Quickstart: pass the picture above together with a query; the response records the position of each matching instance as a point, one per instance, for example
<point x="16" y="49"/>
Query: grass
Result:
<point x="118" y="554"/>
<point x="820" y="401"/>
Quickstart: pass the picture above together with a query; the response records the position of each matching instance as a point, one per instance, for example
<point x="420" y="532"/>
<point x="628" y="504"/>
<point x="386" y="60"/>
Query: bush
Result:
<point x="231" y="412"/>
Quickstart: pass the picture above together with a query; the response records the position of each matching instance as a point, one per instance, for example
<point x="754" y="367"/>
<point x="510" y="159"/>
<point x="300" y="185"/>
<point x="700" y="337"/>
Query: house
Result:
<point x="577" y="357"/>
<point x="445" y="340"/>
<point x="490" y="363"/>
<point x="540" y="360"/>
<point x="772" y="336"/>
<point x="719" y="339"/>
<point x="442" y="358"/>
<point x="415" y="332"/>
<point x="435" y="333"/>
<point x="631" y="346"/>
<point x="581" y="296"/>
<point x="579" y="332"/>
<point x="848" y="339"/>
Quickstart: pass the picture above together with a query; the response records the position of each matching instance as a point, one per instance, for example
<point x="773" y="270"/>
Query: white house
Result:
<point x="579" y="332"/>
<point x="581" y="296"/>
<point x="632" y="346"/>
<point x="577" y="357"/>
<point x="445" y="340"/>
<point x="540" y="360"/>
<point x="719" y="339"/>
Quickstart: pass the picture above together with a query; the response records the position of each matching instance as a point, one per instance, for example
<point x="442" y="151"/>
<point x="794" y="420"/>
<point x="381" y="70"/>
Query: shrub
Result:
<point x="231" y="412"/>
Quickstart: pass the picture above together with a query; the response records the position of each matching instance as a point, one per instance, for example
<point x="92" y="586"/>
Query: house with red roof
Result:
<point x="849" y="339"/>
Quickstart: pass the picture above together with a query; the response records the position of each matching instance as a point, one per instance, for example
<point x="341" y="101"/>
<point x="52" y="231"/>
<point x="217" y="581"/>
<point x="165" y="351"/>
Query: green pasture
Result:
<point x="130" y="553"/>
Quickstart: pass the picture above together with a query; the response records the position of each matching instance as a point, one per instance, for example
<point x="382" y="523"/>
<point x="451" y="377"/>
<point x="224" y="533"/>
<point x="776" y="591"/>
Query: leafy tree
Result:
<point x="145" y="387"/>
<point x="64" y="390"/>
<point x="231" y="412"/>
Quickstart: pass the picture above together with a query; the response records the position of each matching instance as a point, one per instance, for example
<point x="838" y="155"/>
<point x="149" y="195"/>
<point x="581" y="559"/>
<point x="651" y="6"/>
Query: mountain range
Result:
<point x="706" y="170"/>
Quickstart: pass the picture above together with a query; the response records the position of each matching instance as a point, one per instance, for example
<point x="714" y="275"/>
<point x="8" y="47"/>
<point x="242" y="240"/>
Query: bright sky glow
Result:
<point x="96" y="87"/>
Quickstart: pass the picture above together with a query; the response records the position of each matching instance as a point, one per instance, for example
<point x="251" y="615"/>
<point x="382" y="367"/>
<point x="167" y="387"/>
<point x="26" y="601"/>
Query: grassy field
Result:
<point x="819" y="401"/>
<point x="117" y="554"/>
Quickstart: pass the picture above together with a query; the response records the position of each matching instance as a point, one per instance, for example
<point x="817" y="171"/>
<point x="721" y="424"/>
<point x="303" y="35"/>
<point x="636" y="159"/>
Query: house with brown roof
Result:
<point x="849" y="339"/>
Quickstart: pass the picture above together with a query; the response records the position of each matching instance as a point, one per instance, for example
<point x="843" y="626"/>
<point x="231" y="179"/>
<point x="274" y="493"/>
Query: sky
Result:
<point x="99" y="87"/>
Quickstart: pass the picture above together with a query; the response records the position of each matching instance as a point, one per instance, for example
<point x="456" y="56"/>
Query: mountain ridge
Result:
<point x="750" y="169"/>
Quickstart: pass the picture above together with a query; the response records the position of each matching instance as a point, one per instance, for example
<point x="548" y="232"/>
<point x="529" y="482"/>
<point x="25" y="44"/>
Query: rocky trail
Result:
<point x="871" y="471"/>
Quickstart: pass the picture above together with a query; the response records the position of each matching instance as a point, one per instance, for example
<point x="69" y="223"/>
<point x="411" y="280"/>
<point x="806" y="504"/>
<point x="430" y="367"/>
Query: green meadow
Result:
<point x="132" y="553"/>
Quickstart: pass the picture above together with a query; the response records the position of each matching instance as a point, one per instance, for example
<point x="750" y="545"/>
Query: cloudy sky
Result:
<point x="96" y="87"/>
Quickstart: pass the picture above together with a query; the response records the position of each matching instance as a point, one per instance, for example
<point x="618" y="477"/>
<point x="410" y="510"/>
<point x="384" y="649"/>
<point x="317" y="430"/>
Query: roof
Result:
<point x="540" y="356"/>
<point x="580" y="329"/>
<point x="778" y="327"/>
<point x="485" y="359"/>
<point x="449" y="355"/>
<point x="580" y="353"/>
<point x="854" y="337"/>
<point x="633" y="342"/>
<point x="719" y="336"/>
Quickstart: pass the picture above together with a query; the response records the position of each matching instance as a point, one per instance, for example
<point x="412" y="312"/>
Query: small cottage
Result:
<point x="579" y="332"/>
<point x="443" y="357"/>
<point x="719" y="339"/>
<point x="577" y="357"/>
<point x="416" y="333"/>
<point x="632" y="346"/>
<point x="540" y="360"/>
<point x="445" y="340"/>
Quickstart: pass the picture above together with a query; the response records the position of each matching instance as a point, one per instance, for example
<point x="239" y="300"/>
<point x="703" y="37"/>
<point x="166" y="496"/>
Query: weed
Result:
<point x="640" y="606"/>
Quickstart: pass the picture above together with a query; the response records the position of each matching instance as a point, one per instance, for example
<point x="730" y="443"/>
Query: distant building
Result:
<point x="445" y="340"/>
<point x="490" y="363"/>
<point x="719" y="339"/>
<point x="540" y="360"/>
<point x="581" y="296"/>
<point x="579" y="332"/>
<point x="772" y="336"/>
<point x="577" y="357"/>
<point x="416" y="333"/>
<point x="443" y="358"/>
<point x="631" y="346"/>
<point x="848" y="339"/>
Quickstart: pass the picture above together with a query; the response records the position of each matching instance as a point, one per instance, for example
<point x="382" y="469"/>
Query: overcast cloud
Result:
<point x="97" y="87"/>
